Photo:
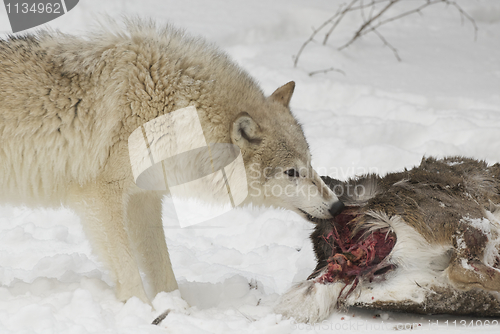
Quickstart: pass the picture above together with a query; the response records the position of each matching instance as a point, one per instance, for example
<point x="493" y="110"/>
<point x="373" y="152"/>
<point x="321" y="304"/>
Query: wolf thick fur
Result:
<point x="69" y="104"/>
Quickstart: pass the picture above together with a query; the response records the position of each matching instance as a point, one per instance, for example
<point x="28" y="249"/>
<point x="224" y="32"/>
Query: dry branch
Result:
<point x="315" y="31"/>
<point x="373" y="21"/>
<point x="368" y="23"/>
<point x="331" y="69"/>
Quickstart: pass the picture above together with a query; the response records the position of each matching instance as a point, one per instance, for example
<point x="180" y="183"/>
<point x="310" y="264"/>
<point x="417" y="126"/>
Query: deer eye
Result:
<point x="292" y="172"/>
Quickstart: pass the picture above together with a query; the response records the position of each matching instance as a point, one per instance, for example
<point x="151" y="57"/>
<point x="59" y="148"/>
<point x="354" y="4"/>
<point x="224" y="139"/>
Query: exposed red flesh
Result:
<point x="355" y="257"/>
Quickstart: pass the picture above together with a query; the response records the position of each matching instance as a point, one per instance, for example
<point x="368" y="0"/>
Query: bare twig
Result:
<point x="368" y="23"/>
<point x="463" y="14"/>
<point x="362" y="10"/>
<point x="351" y="8"/>
<point x="372" y="9"/>
<point x="311" y="38"/>
<point x="331" y="69"/>
<point x="413" y="11"/>
<point x="340" y="16"/>
<point x="389" y="45"/>
<point x="373" y="21"/>
<point x="371" y="4"/>
<point x="365" y="30"/>
<point x="419" y="10"/>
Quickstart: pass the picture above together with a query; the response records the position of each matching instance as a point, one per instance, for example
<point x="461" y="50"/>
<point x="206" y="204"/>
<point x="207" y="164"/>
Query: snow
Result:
<point x="381" y="115"/>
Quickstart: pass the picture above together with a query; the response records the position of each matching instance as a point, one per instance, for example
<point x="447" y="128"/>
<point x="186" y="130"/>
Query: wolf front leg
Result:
<point x="101" y="208"/>
<point x="145" y="229"/>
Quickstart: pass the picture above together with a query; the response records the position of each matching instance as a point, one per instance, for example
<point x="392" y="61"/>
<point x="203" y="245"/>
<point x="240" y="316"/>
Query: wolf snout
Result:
<point x="336" y="208"/>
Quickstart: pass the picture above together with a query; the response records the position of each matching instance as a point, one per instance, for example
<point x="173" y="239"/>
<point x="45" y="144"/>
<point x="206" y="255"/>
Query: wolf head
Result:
<point x="278" y="160"/>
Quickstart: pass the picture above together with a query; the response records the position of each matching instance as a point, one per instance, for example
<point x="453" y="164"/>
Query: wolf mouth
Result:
<point x="307" y="215"/>
<point x="355" y="254"/>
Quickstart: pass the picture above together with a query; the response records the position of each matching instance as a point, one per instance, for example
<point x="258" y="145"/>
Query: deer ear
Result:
<point x="283" y="95"/>
<point x="245" y="132"/>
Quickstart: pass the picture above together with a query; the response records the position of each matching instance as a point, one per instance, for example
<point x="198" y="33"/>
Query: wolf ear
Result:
<point x="245" y="131"/>
<point x="283" y="95"/>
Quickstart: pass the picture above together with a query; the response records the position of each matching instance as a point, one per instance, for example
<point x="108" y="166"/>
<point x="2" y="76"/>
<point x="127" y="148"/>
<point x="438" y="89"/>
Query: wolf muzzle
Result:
<point x="336" y="208"/>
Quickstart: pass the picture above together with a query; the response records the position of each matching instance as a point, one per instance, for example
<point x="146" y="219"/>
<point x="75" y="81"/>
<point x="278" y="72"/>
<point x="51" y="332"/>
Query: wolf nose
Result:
<point x="336" y="208"/>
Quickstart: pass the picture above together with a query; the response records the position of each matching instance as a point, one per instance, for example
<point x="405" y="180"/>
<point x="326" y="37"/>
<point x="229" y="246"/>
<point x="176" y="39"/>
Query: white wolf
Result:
<point x="69" y="104"/>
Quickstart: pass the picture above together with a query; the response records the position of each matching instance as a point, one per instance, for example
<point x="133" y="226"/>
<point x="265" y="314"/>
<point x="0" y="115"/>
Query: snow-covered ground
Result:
<point x="381" y="115"/>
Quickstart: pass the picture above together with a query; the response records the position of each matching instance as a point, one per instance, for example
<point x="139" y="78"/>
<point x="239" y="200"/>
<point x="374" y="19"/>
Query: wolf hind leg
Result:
<point x="145" y="230"/>
<point x="101" y="207"/>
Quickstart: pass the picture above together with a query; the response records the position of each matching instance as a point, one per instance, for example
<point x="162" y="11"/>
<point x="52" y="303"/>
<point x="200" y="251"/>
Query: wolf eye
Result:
<point x="292" y="172"/>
